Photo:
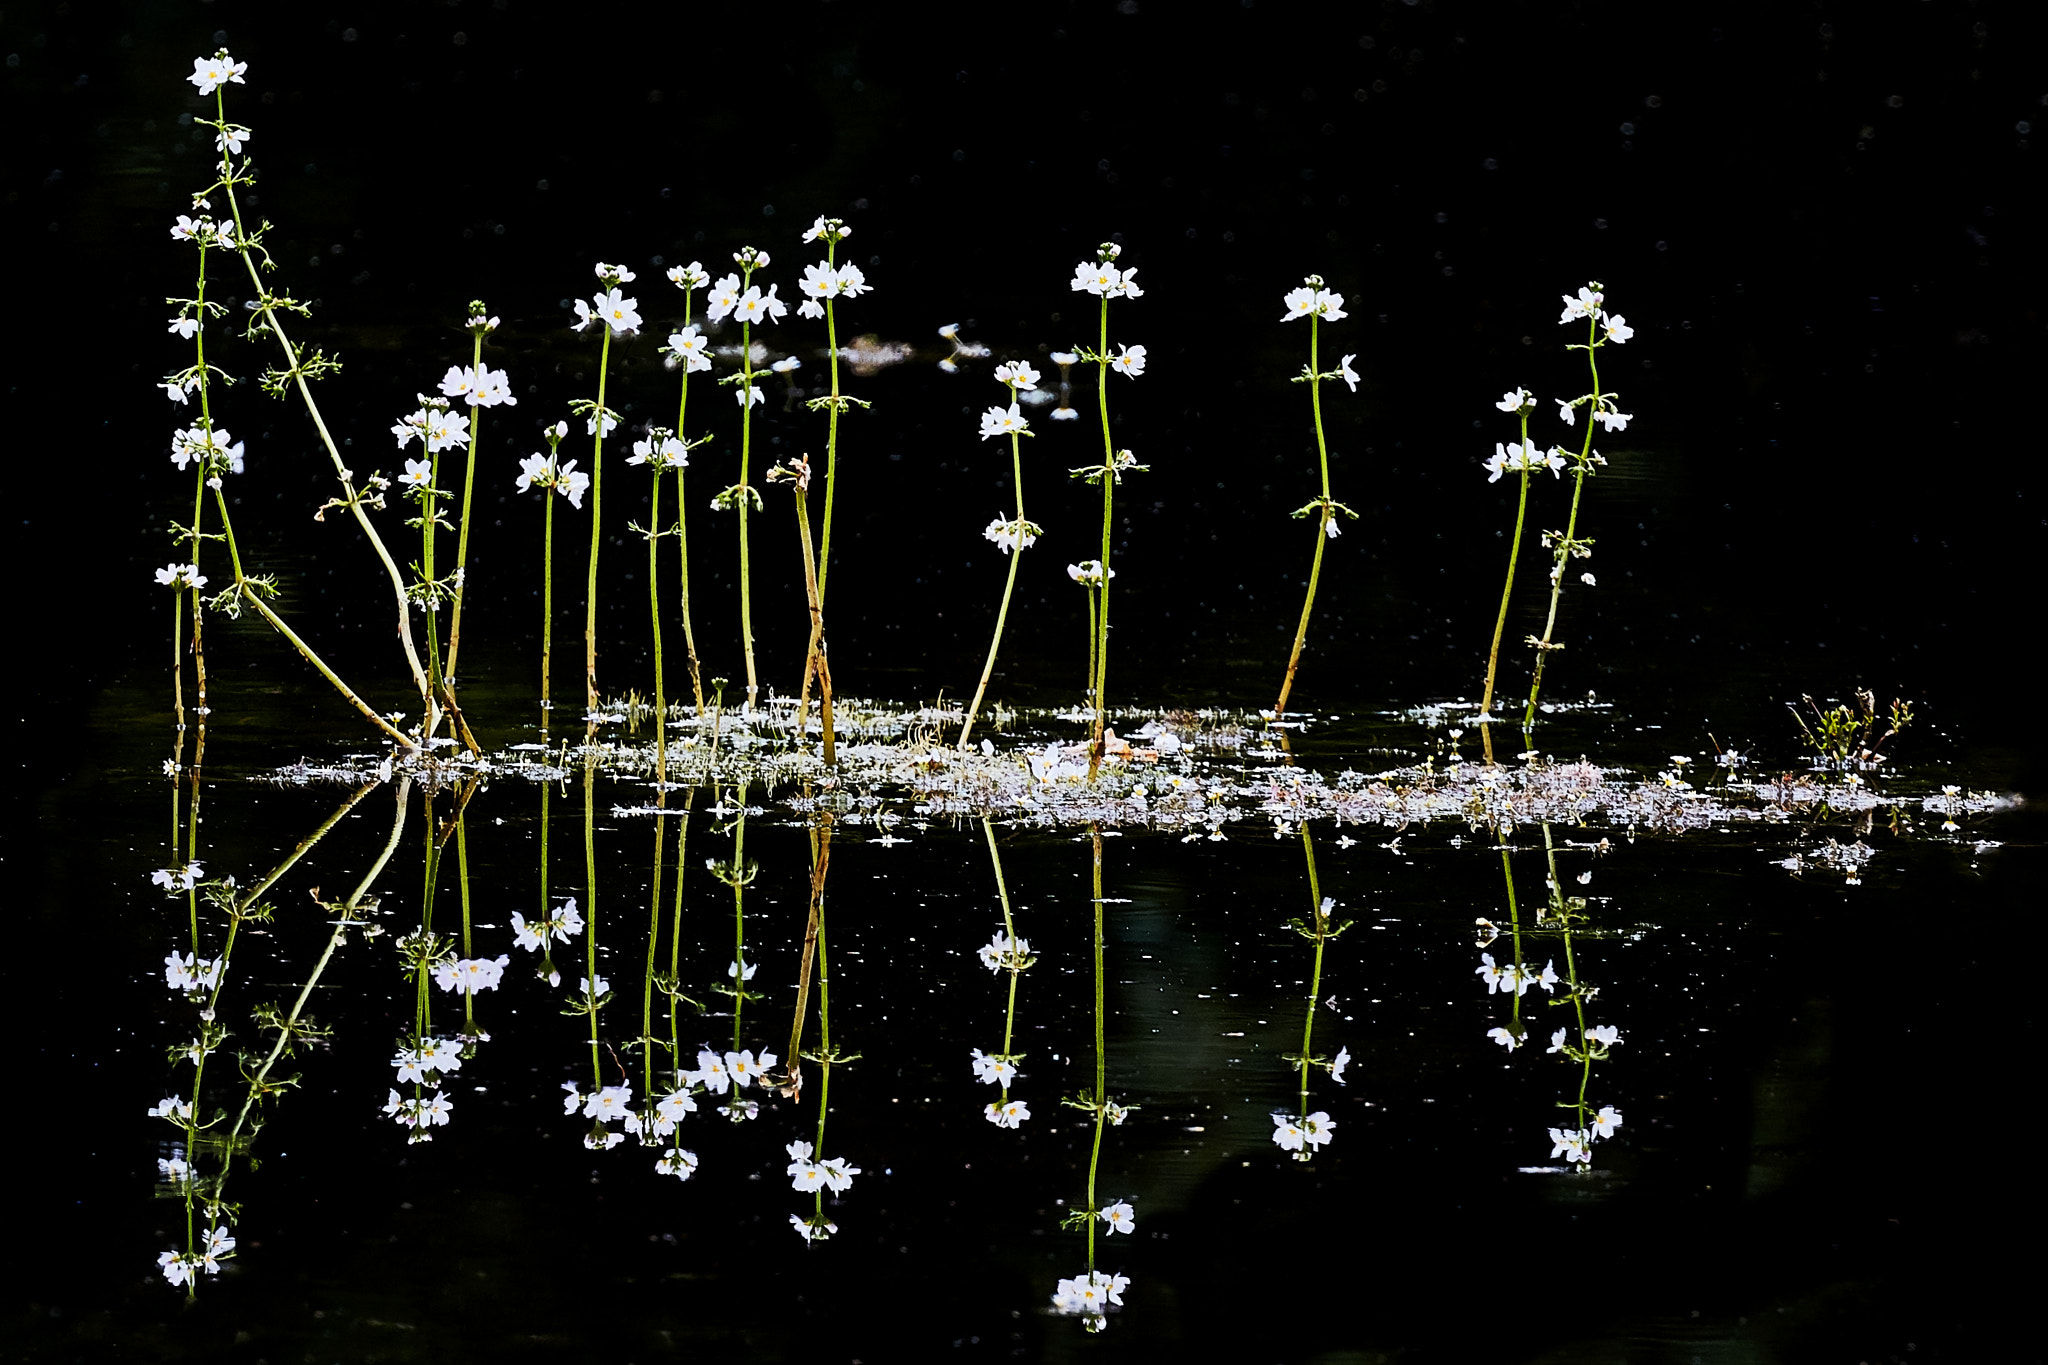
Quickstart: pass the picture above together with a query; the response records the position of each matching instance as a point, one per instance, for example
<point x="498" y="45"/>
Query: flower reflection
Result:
<point x="1009" y="1115"/>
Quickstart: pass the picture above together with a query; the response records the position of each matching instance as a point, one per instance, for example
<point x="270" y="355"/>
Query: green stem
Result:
<point x="1564" y="550"/>
<point x="1315" y="572"/>
<point x="746" y="454"/>
<point x="988" y="667"/>
<point x="547" y="608"/>
<point x="1514" y="553"/>
<point x="596" y="526"/>
<point x="1100" y="681"/>
<point x="476" y="422"/>
<point x="660" y="681"/>
<point x="590" y="909"/>
<point x="831" y="431"/>
<point x="683" y="518"/>
<point x="1315" y="985"/>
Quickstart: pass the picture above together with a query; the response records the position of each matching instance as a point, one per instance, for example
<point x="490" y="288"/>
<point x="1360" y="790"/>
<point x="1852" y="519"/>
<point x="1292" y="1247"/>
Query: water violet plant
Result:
<point x="1319" y="305"/>
<point x="1015" y="535"/>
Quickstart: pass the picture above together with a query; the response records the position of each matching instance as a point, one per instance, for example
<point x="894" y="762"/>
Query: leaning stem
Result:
<point x="1315" y="572"/>
<point x="814" y="654"/>
<point x="1514" y="553"/>
<point x="1571" y="526"/>
<point x="988" y="668"/>
<point x="342" y="472"/>
<point x="683" y="519"/>
<point x="831" y="432"/>
<point x="476" y="419"/>
<point x="746" y="452"/>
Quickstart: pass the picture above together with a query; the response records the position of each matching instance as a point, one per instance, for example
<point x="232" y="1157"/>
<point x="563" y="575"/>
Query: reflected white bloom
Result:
<point x="1114" y="1113"/>
<point x="1570" y="1143"/>
<point x="1120" y="1216"/>
<point x="440" y="1054"/>
<point x="171" y="1107"/>
<point x="1490" y="973"/>
<point x="186" y="877"/>
<point x="678" y="1163"/>
<point x="813" y="1230"/>
<point x="1507" y="1038"/>
<point x="742" y="974"/>
<point x="744" y="1069"/>
<point x="1607" y="1035"/>
<point x="1317" y="1128"/>
<point x="1287" y="1133"/>
<point x="572" y="1100"/>
<point x="992" y="1070"/>
<point x="471" y="974"/>
<point x="1338" y="1063"/>
<point x="786" y="364"/>
<point x="1007" y="535"/>
<point x="177" y="1270"/>
<point x="839" y="1173"/>
<point x="711" y="1071"/>
<point x="1606" y="1121"/>
<point x="190" y="973"/>
<point x="174" y="1169"/>
<point x="410" y="1066"/>
<point x="674" y="1106"/>
<point x="612" y="1102"/>
<point x="1091" y="1293"/>
<point x="602" y="1139"/>
<point x="591" y="988"/>
<point x="1556" y="1041"/>
<point x="1010" y="1114"/>
<point x="1066" y="414"/>
<point x="803" y="1173"/>
<point x="1002" y="950"/>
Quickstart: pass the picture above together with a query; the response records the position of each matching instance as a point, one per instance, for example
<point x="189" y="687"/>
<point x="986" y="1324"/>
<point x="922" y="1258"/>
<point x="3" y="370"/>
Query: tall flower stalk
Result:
<point x="738" y="296"/>
<point x="211" y="76"/>
<point x="1304" y="1134"/>
<point x="1522" y="458"/>
<point x="620" y="316"/>
<point x="1012" y="537"/>
<point x="1103" y="279"/>
<point x="1318" y="305"/>
<point x="1567" y="545"/>
<point x="821" y="284"/>
<point x="689" y="352"/>
<point x="481" y="388"/>
<point x="542" y="472"/>
<point x="662" y="450"/>
<point x="798" y="473"/>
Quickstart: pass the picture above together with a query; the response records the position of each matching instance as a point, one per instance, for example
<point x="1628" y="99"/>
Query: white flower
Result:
<point x="177" y="1270"/>
<point x="1606" y="1121"/>
<point x="418" y="473"/>
<point x="689" y="277"/>
<point x="742" y="973"/>
<point x="820" y="281"/>
<point x="1129" y="361"/>
<point x="1618" y="331"/>
<point x="572" y="483"/>
<point x="690" y="348"/>
<point x="754" y="306"/>
<point x="592" y="987"/>
<point x="1288" y="1134"/>
<point x="1556" y="1042"/>
<point x="1488" y="972"/>
<point x="751" y="398"/>
<point x="620" y="313"/>
<point x="611" y="423"/>
<point x="211" y="73"/>
<point x="786" y="364"/>
<point x="1010" y="1114"/>
<point x="1316" y="1129"/>
<point x="1115" y="1113"/>
<point x="186" y="328"/>
<point x="611" y="1102"/>
<point x="838" y="1174"/>
<point x="1005" y="422"/>
<point x="445" y="430"/>
<point x="231" y="138"/>
<point x="724" y="297"/>
<point x="992" y="1070"/>
<point x="1346" y="373"/>
<point x="1613" y="420"/>
<point x="1505" y="1037"/>
<point x="1097" y="277"/>
<point x="1570" y="1143"/>
<point x="813" y="1231"/>
<point x="188" y="229"/>
<point x="803" y="1173"/>
<point x="1017" y="372"/>
<point x="852" y="282"/>
<point x="1607" y="1035"/>
<point x="1338" y="1063"/>
<point x="744" y="1068"/>
<point x="678" y="1163"/>
<point x="171" y="1107"/>
<point x="471" y="974"/>
<point x="1584" y="306"/>
<point x="1119" y="1216"/>
<point x="181" y="576"/>
<point x="1088" y="573"/>
<point x="666" y="453"/>
<point x="1515" y="400"/>
<point x="1310" y="300"/>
